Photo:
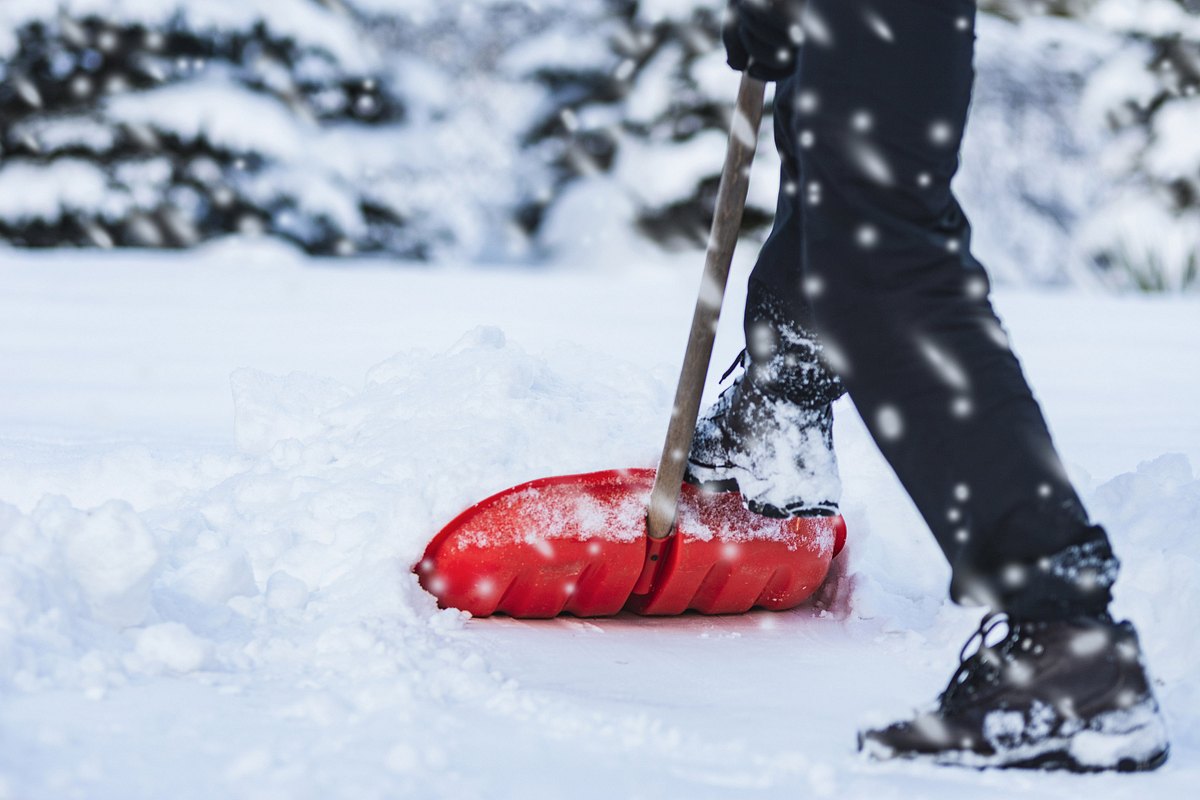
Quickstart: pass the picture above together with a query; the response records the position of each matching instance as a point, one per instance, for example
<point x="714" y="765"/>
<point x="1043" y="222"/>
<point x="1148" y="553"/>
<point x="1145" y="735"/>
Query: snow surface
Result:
<point x="216" y="471"/>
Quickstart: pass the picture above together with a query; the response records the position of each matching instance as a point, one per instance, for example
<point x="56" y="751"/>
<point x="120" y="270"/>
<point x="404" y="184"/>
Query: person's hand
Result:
<point x="762" y="37"/>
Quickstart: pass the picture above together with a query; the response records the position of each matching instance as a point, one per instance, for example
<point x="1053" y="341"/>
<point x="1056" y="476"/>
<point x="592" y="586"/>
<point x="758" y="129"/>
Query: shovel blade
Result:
<point x="577" y="544"/>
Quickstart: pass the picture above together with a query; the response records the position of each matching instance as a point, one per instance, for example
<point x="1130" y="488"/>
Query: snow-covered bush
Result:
<point x="488" y="81"/>
<point x="161" y="124"/>
<point x="655" y="124"/>
<point x="1144" y="231"/>
<point x="1148" y="233"/>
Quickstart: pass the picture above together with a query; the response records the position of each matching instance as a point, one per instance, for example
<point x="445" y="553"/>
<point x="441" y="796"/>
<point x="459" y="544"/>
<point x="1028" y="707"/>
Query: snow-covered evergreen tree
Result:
<point x="345" y="126"/>
<point x="488" y="81"/>
<point x="401" y="126"/>
<point x="1145" y="233"/>
<point x="654" y="123"/>
<point x="500" y="129"/>
<point x="1148" y="233"/>
<point x="162" y="124"/>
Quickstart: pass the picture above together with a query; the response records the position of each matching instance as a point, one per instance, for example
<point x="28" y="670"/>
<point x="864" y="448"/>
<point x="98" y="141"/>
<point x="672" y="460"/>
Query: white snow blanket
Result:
<point x="217" y="470"/>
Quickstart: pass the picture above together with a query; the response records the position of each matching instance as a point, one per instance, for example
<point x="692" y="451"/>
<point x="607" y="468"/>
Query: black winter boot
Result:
<point x="1069" y="694"/>
<point x="770" y="434"/>
<point x="778" y="454"/>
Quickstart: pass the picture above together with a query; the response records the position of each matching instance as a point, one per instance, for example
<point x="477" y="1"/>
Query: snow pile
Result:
<point x="1149" y="17"/>
<point x="338" y="491"/>
<point x="283" y="571"/>
<point x="1153" y="513"/>
<point x="287" y="566"/>
<point x="335" y="499"/>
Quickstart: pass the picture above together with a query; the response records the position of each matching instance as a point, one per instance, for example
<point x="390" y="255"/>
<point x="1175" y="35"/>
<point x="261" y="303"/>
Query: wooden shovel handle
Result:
<point x="727" y="222"/>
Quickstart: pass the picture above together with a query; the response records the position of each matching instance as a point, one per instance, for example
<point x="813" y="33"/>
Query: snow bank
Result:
<point x="1153" y="513"/>
<point x="187" y="615"/>
<point x="333" y="501"/>
<point x="293" y="565"/>
<point x="293" y="570"/>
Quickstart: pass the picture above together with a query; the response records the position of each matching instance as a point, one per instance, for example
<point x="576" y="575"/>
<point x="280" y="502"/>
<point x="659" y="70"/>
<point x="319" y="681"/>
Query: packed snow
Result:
<point x="216" y="472"/>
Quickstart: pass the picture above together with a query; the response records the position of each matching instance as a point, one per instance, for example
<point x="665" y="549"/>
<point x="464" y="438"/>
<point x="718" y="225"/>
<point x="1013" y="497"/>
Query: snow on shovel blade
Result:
<point x="574" y="543"/>
<point x="577" y="544"/>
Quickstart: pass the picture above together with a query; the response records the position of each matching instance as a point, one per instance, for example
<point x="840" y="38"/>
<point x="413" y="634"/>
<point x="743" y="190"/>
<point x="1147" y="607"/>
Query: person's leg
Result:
<point x="902" y="306"/>
<point x="779" y="318"/>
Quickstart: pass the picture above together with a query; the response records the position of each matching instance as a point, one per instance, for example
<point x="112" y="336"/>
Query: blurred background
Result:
<point x="555" y="132"/>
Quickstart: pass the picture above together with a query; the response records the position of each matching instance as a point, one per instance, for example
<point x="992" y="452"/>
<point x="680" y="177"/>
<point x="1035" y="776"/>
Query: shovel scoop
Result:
<point x="578" y="544"/>
<point x="640" y="540"/>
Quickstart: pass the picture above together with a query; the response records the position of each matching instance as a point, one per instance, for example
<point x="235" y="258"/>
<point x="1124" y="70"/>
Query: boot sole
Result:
<point x="1125" y="741"/>
<point x="1055" y="761"/>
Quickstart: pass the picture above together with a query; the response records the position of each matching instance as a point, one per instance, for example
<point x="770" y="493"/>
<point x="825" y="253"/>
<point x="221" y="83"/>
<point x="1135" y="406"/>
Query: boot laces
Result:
<point x="982" y="666"/>
<point x="740" y="361"/>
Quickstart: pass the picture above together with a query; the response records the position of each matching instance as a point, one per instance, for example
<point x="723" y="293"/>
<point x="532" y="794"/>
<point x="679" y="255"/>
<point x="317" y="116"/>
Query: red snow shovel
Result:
<point x="639" y="539"/>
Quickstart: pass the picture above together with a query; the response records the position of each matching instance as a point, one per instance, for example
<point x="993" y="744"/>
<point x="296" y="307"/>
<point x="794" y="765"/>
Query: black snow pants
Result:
<point x="871" y="252"/>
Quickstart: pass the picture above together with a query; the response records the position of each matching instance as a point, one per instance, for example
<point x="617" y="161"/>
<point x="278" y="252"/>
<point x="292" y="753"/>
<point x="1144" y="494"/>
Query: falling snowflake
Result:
<point x="941" y="133"/>
<point x="977" y="289"/>
<point x="880" y="26"/>
<point x="889" y="422"/>
<point x="872" y="162"/>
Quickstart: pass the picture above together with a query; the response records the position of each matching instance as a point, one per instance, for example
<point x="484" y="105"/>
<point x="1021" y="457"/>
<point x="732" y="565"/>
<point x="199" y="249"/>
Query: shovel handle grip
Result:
<point x="727" y="222"/>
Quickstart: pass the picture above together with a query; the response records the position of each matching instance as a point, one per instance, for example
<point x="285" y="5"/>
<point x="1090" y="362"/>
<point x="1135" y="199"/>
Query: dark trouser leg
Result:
<point x="902" y="308"/>
<point x="781" y="338"/>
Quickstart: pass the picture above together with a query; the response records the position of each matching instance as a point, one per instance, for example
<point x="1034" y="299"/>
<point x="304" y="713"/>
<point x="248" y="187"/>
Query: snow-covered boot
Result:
<point x="770" y="437"/>
<point x="1067" y="694"/>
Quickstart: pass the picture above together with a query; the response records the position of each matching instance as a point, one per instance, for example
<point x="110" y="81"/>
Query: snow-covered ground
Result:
<point x="216" y="471"/>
